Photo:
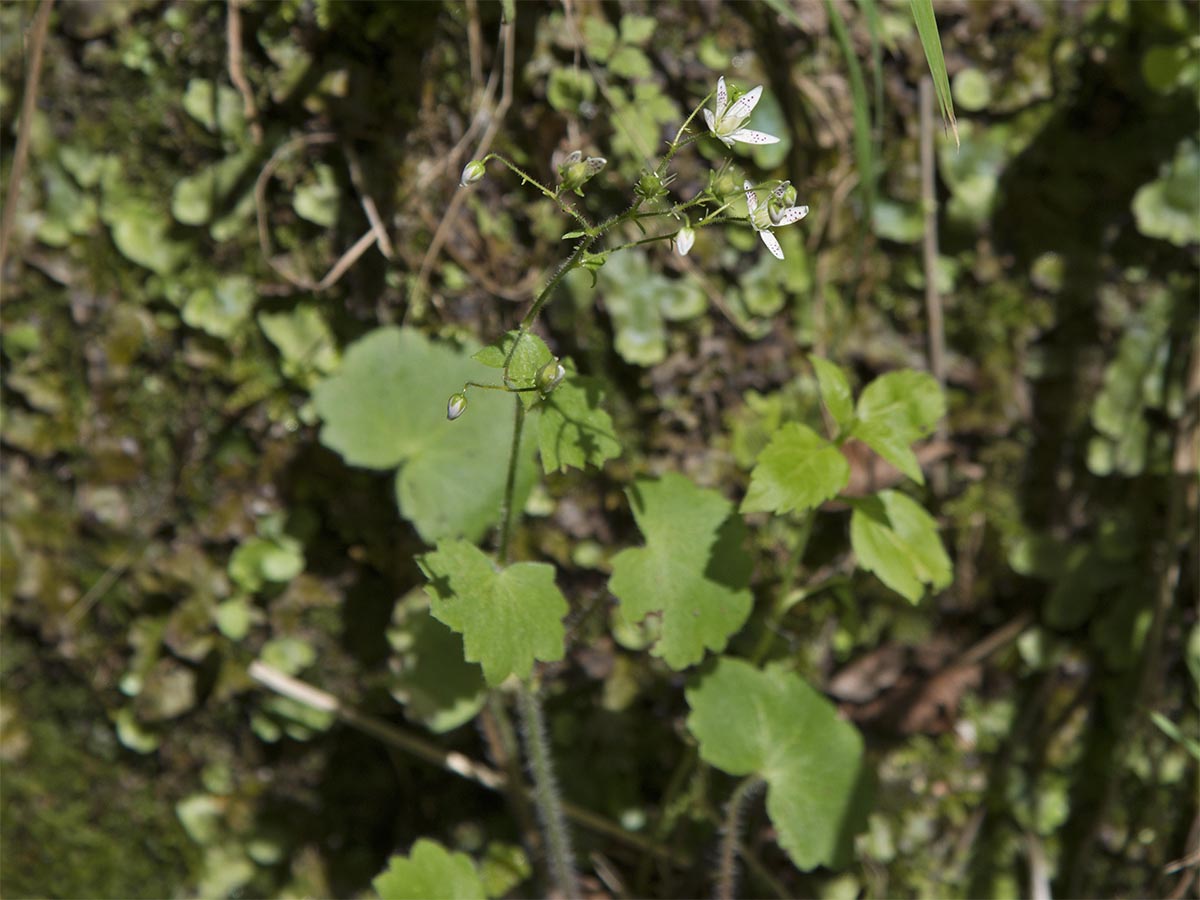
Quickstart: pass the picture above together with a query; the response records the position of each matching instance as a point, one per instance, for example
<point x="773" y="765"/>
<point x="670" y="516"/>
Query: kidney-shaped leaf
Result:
<point x="430" y="872"/>
<point x="897" y="540"/>
<point x="771" y="723"/>
<point x="693" y="569"/>
<point x="507" y="617"/>
<point x="386" y="407"/>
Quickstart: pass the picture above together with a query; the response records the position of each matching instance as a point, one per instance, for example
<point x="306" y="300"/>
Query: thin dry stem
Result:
<point x="233" y="37"/>
<point x="37" y="43"/>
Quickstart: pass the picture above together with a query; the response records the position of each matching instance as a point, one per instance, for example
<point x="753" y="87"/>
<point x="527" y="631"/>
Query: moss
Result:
<point x="81" y="816"/>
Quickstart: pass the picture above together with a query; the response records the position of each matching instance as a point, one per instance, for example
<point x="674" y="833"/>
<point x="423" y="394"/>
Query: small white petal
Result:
<point x="722" y="96"/>
<point x="792" y="214"/>
<point x="573" y="157"/>
<point x="751" y="199"/>
<point x="777" y="194"/>
<point x="745" y="105"/>
<point x="746" y="136"/>
<point x="772" y="244"/>
<point x="684" y="241"/>
<point x="712" y="122"/>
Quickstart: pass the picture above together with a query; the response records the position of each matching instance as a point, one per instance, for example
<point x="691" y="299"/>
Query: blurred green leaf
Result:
<point x="896" y="539"/>
<point x="386" y="407"/>
<point x="772" y="724"/>
<point x="220" y="113"/>
<point x="318" y="201"/>
<point x="221" y="309"/>
<point x="430" y="675"/>
<point x="799" y="470"/>
<point x="693" y="570"/>
<point x="895" y="410"/>
<point x="835" y="391"/>
<point x="1169" y="207"/>
<point x="430" y="872"/>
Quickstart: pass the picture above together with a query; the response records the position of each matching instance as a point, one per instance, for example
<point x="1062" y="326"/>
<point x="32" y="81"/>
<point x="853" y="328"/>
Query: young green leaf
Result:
<point x="525" y="354"/>
<point x="430" y="871"/>
<point x="897" y="540"/>
<point x="693" y="569"/>
<point x="895" y="410"/>
<point x="574" y="429"/>
<point x="507" y="617"/>
<point x="835" y="391"/>
<point x="798" y="470"/>
<point x="771" y="723"/>
<point x="386" y="407"/>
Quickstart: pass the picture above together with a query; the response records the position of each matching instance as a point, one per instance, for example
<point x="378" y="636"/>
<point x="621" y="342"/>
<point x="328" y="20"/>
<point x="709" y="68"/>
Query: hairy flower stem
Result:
<point x="727" y="869"/>
<point x="510" y="482"/>
<point x="545" y="794"/>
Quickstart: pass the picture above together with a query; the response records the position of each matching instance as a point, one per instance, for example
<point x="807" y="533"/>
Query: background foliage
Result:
<point x="213" y="457"/>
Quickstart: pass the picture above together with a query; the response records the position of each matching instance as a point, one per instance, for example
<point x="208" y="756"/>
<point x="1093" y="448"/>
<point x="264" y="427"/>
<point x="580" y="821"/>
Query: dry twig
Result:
<point x="37" y="42"/>
<point x="233" y="37"/>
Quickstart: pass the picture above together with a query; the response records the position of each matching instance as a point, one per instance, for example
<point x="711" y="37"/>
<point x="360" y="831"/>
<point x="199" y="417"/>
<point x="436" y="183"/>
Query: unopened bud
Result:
<point x="684" y="240"/>
<point x="576" y="171"/>
<point x="457" y="406"/>
<point x="473" y="172"/>
<point x="549" y="376"/>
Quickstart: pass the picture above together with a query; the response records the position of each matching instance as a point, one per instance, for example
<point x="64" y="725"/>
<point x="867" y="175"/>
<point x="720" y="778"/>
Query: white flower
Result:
<point x="763" y="218"/>
<point x="684" y="240"/>
<point x="727" y="124"/>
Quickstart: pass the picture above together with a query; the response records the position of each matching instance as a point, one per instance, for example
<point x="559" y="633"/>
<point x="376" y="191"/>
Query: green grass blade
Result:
<point x="875" y="28"/>
<point x="922" y="11"/>
<point x="863" y="151"/>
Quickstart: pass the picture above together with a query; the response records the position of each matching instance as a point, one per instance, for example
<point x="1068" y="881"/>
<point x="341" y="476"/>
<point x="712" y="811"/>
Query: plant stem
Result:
<point x="546" y="795"/>
<point x="781" y="606"/>
<point x="727" y="870"/>
<point x="510" y="482"/>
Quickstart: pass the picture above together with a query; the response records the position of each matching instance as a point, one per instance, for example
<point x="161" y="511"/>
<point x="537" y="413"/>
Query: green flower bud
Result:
<point x="549" y="376"/>
<point x="457" y="406"/>
<point x="473" y="172"/>
<point x="576" y="171"/>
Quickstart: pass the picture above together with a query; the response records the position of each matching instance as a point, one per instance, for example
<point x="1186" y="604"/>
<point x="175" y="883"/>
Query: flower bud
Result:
<point x="549" y="376"/>
<point x="684" y="240"/>
<point x="575" y="171"/>
<point x="457" y="406"/>
<point x="473" y="172"/>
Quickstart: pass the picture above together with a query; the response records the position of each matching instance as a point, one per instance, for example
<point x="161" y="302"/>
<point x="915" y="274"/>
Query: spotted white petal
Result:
<point x="792" y="214"/>
<point x="711" y="120"/>
<point x="747" y="136"/>
<point x="573" y="157"/>
<point x="722" y="97"/>
<point x="751" y="200"/>
<point x="778" y="193"/>
<point x="772" y="244"/>
<point x="741" y="110"/>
